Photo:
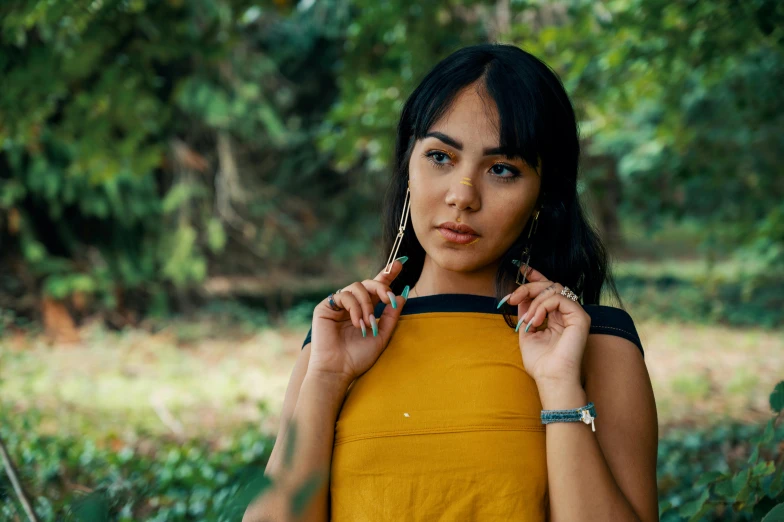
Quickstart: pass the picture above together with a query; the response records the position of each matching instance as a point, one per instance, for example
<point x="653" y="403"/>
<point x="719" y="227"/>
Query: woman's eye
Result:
<point x="499" y="169"/>
<point x="439" y="156"/>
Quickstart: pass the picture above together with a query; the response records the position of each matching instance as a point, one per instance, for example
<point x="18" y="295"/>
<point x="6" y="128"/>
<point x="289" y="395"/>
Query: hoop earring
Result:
<point x="400" y="230"/>
<point x="527" y="251"/>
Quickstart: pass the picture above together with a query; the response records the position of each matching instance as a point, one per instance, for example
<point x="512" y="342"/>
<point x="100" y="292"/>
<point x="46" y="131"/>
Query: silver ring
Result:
<point x="569" y="294"/>
<point x="331" y="302"/>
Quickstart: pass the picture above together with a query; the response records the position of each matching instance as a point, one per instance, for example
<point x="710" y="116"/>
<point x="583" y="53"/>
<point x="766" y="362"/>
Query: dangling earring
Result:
<point x="400" y="230"/>
<point x="527" y="251"/>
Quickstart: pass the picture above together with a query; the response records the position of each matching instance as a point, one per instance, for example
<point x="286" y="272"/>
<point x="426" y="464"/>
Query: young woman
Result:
<point x="440" y="404"/>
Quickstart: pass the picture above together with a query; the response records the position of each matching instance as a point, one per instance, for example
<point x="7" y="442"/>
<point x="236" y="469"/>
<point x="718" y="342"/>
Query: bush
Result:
<point x="154" y="480"/>
<point x="697" y="480"/>
<point x="730" y="472"/>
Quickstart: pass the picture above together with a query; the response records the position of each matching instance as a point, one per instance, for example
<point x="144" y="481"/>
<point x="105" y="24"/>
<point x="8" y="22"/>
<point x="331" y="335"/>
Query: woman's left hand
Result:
<point x="553" y="347"/>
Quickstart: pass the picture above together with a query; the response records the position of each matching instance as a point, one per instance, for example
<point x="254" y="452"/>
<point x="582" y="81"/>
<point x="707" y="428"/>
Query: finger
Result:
<point x="527" y="291"/>
<point x="380" y="290"/>
<point x="547" y="292"/>
<point x="535" y="275"/>
<point x="395" y="267"/>
<point x="365" y="299"/>
<point x="556" y="302"/>
<point x="349" y="303"/>
<point x="388" y="320"/>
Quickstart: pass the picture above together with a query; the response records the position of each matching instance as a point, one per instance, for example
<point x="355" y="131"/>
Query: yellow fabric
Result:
<point x="444" y="427"/>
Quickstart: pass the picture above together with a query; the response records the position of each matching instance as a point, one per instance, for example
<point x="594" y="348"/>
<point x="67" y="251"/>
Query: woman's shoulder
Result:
<point x="613" y="321"/>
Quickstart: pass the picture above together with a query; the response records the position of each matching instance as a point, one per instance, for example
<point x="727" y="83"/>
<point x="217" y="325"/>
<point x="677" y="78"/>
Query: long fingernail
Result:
<point x="402" y="259"/>
<point x="373" y="324"/>
<point x="505" y="299"/>
<point x="518" y="324"/>
<point x="392" y="299"/>
<point x="405" y="293"/>
<point x="529" y="325"/>
<point x="364" y="330"/>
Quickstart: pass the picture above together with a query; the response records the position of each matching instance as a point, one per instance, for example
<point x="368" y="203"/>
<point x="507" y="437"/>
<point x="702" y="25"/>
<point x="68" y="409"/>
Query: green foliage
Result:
<point x="168" y="481"/>
<point x="757" y="301"/>
<point x="725" y="472"/>
<point x="697" y="482"/>
<point x="145" y="145"/>
<point x="131" y="135"/>
<point x="684" y="96"/>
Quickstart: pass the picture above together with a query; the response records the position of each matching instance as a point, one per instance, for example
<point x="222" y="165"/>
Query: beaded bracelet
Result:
<point x="585" y="414"/>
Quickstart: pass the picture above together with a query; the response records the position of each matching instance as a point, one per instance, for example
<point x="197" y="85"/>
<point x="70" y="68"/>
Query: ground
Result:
<point x="199" y="379"/>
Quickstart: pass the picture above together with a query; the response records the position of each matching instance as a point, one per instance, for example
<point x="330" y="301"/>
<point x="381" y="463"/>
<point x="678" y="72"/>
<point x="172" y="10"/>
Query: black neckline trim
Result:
<point x="451" y="303"/>
<point x="604" y="319"/>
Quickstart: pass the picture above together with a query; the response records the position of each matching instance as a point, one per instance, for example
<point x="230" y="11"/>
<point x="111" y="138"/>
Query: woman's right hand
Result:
<point x="338" y="348"/>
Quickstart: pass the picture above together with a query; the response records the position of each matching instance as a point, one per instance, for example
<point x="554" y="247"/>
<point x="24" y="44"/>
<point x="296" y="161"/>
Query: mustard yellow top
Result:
<point x="446" y="424"/>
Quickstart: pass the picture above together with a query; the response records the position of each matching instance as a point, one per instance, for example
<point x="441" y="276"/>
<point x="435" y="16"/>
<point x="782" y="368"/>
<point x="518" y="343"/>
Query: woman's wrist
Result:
<point x="562" y="396"/>
<point x="329" y="382"/>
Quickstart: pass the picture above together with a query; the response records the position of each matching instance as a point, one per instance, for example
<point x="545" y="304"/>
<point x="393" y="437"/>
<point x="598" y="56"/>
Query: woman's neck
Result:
<point x="435" y="280"/>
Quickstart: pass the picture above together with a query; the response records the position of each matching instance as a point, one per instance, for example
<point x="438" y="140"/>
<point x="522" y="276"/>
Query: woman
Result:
<point x="446" y="410"/>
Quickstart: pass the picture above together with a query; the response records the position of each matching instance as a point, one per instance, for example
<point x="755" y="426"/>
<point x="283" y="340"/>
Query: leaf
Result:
<point x="776" y="485"/>
<point x="763" y="469"/>
<point x="775" y="515"/>
<point x="777" y="398"/>
<point x="702" y="512"/>
<point x="691" y="508"/>
<point x="724" y="490"/>
<point x="304" y="494"/>
<point x="754" y="455"/>
<point x="710" y="477"/>
<point x="177" y="196"/>
<point x="739" y="481"/>
<point x="743" y="496"/>
<point x="216" y="236"/>
<point x="92" y="508"/>
<point x="767" y="435"/>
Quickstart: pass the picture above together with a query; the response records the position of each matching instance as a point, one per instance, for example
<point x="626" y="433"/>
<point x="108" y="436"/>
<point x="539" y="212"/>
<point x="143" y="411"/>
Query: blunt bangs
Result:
<point x="506" y="77"/>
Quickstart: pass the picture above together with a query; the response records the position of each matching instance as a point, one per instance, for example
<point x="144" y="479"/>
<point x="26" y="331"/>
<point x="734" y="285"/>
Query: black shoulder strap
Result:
<point x="613" y="321"/>
<point x="604" y="320"/>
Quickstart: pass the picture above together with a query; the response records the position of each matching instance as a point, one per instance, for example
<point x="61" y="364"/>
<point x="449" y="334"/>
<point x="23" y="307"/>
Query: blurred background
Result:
<point x="181" y="181"/>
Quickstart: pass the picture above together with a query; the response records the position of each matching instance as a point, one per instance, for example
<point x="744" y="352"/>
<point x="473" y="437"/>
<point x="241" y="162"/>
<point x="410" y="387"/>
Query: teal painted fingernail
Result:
<point x="518" y="324"/>
<point x="516" y="262"/>
<point x="392" y="299"/>
<point x="529" y="325"/>
<point x="373" y="324"/>
<point x="364" y="330"/>
<point x="405" y="293"/>
<point x="402" y="259"/>
<point x="505" y="299"/>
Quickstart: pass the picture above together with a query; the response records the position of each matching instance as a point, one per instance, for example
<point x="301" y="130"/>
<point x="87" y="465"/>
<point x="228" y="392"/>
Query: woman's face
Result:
<point x="454" y="173"/>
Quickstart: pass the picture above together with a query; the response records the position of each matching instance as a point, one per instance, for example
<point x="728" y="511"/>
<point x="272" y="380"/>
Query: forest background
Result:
<point x="182" y="180"/>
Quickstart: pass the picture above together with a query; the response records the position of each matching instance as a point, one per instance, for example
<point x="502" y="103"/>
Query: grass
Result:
<point x="198" y="379"/>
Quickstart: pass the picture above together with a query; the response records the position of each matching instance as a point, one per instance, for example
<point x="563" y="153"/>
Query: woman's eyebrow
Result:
<point x="459" y="146"/>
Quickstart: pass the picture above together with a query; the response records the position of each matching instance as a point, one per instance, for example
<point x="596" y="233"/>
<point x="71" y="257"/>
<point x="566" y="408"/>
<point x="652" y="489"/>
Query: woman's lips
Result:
<point x="456" y="237"/>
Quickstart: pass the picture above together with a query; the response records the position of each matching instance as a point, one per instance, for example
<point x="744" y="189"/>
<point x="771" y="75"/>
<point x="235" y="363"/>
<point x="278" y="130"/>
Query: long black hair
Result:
<point x="538" y="123"/>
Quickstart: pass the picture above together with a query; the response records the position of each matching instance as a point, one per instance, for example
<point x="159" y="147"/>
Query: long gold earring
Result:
<point x="527" y="251"/>
<point x="400" y="230"/>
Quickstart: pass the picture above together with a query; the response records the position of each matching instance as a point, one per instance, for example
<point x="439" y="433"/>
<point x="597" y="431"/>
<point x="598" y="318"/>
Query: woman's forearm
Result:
<point x="314" y="417"/>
